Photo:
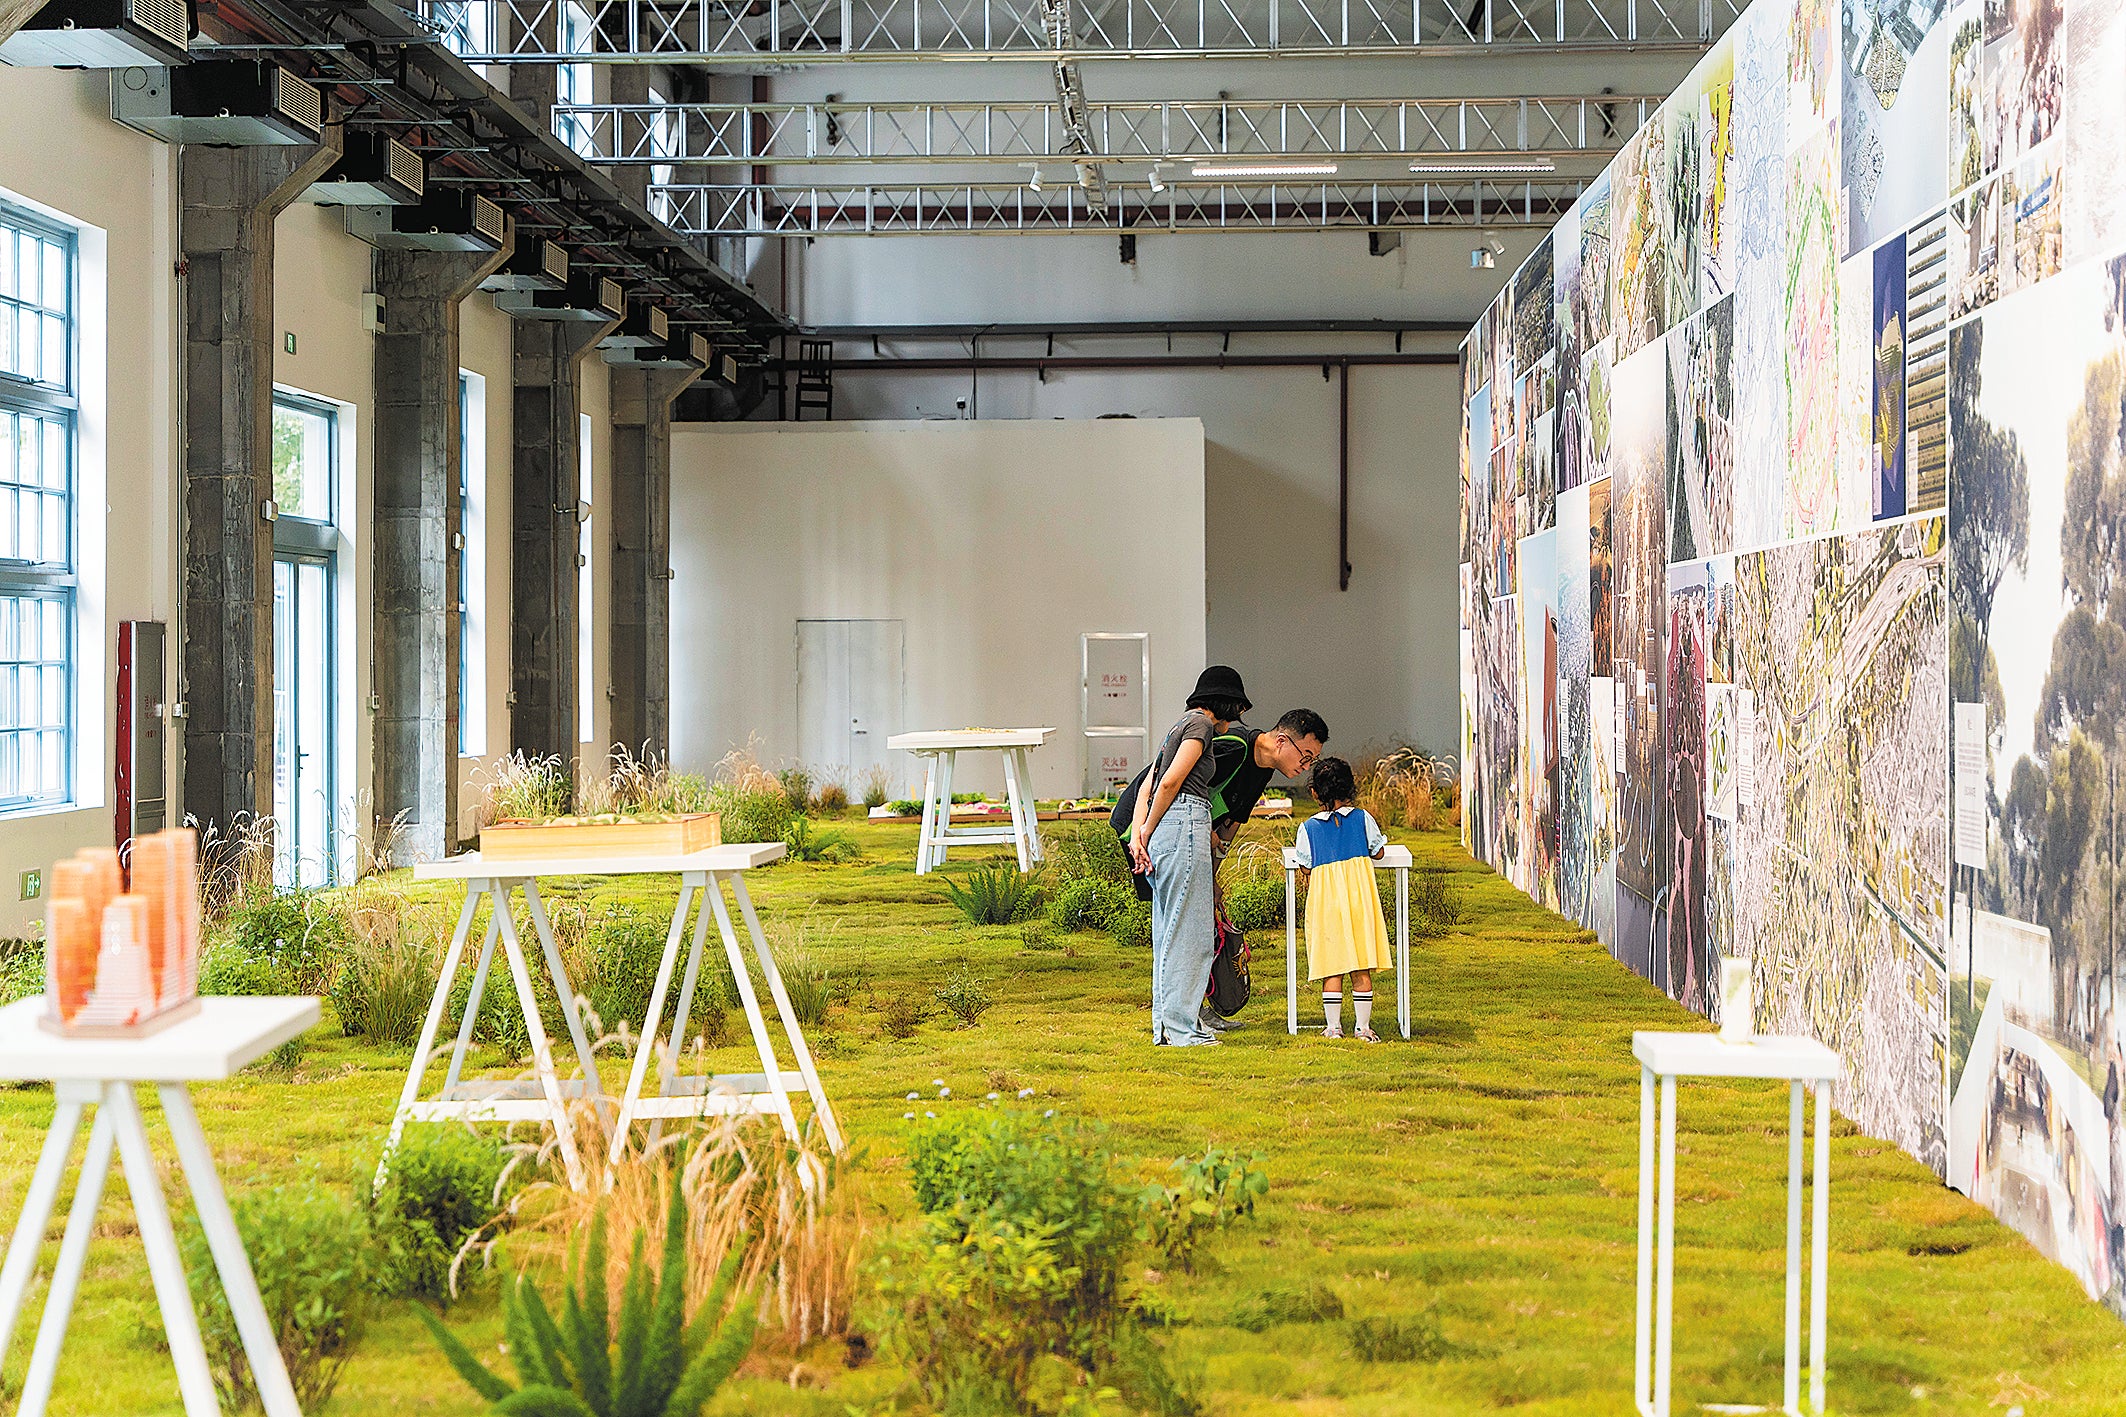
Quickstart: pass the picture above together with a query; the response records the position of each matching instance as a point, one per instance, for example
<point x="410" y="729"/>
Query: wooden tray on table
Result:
<point x="566" y="840"/>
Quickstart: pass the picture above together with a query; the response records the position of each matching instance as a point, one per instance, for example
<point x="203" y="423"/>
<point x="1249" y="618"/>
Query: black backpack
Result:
<point x="1230" y="986"/>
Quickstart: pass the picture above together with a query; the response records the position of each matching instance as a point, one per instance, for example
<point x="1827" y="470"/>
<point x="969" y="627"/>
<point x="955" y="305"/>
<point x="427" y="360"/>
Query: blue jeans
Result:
<point x="1184" y="934"/>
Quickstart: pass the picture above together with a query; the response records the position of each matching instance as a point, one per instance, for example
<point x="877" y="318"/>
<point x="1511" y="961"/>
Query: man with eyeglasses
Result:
<point x="1243" y="760"/>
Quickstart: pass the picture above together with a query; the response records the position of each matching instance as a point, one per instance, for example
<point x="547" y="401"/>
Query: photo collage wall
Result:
<point x="1793" y="508"/>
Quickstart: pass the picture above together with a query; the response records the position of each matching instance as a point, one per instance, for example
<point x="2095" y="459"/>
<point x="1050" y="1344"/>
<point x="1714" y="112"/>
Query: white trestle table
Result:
<point x="545" y="1097"/>
<point x="209" y="1046"/>
<point x="940" y="750"/>
<point x="1396" y="859"/>
<point x="1798" y="1062"/>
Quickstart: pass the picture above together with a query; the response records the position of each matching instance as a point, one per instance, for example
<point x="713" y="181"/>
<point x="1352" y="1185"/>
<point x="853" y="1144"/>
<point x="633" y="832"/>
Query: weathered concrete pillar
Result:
<point x="642" y="557"/>
<point x="544" y="534"/>
<point x="225" y="232"/>
<point x="416" y="622"/>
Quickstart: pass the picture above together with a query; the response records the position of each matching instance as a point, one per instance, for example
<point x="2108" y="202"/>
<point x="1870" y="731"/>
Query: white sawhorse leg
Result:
<point x="821" y="1109"/>
<point x="1819" y="1251"/>
<point x="1291" y="950"/>
<point x="941" y="834"/>
<point x="1021" y="818"/>
<point x="930" y="801"/>
<point x="690" y="885"/>
<point x="1402" y="948"/>
<point x="118" y="1122"/>
<point x="555" y="1109"/>
<point x="743" y="977"/>
<point x="1657" y="1246"/>
<point x="1026" y="797"/>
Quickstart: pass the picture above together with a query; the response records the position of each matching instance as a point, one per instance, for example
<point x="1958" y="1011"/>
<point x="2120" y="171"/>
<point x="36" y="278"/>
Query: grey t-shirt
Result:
<point x="1193" y="726"/>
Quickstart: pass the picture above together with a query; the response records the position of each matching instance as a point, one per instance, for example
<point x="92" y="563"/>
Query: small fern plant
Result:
<point x="996" y="894"/>
<point x="654" y="1364"/>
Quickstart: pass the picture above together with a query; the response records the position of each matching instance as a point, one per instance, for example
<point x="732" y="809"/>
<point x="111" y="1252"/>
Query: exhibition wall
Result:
<point x="1792" y="490"/>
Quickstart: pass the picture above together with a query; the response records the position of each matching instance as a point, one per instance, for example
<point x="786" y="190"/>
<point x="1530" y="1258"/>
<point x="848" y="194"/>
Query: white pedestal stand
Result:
<point x="102" y="1072"/>
<point x="1799" y="1062"/>
<point x="1396" y="859"/>
<point x="545" y="1097"/>
<point x="940" y="751"/>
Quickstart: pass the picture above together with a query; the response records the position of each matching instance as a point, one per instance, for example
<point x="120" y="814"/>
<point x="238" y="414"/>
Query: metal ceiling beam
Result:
<point x="750" y="33"/>
<point x="792" y="134"/>
<point x="385" y="71"/>
<point x="1007" y="209"/>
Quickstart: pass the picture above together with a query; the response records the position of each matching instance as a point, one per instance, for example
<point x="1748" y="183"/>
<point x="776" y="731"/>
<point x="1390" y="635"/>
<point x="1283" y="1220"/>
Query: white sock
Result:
<point x="1332" y="1005"/>
<point x="1362" y="1007"/>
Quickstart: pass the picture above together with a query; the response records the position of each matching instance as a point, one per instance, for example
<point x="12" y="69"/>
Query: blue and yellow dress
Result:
<point x="1345" y="930"/>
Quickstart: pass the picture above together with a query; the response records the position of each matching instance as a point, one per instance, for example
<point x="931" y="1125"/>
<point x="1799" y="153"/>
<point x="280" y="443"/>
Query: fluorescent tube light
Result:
<point x="1483" y="168"/>
<point x="1282" y="169"/>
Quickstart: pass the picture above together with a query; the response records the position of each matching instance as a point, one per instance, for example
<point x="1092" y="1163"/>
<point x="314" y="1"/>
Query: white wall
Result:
<point x="73" y="162"/>
<point x="320" y="275"/>
<point x="1378" y="660"/>
<point x="998" y="543"/>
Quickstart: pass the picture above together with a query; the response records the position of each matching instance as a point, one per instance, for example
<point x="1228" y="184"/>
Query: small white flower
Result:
<point x="992" y="1097"/>
<point x="907" y="1116"/>
<point x="937" y="1082"/>
<point x="911" y="1097"/>
<point x="931" y="1115"/>
<point x="1049" y="1113"/>
<point x="944" y="1092"/>
<point x="1025" y="1092"/>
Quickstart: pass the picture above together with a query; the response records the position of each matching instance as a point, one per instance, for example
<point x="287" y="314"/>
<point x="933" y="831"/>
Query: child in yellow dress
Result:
<point x="1345" y="932"/>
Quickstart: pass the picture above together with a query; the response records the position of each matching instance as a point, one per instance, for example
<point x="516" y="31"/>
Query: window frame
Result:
<point x="56" y="405"/>
<point x="293" y="532"/>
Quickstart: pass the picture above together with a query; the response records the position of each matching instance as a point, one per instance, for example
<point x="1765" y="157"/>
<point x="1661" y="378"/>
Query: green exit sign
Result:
<point x="32" y="884"/>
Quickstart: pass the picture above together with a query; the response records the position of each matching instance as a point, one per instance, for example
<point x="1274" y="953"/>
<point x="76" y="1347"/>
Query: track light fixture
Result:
<point x="1035" y="181"/>
<point x="1158" y="178"/>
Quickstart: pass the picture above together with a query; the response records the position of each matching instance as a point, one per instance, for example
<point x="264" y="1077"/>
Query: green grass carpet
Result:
<point x="1485" y="1172"/>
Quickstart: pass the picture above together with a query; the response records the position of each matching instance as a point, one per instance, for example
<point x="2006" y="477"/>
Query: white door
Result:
<point x="849" y="683"/>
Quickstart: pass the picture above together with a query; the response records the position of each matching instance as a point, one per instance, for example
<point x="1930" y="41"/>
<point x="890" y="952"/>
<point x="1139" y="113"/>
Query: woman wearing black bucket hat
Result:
<point x="1171" y="839"/>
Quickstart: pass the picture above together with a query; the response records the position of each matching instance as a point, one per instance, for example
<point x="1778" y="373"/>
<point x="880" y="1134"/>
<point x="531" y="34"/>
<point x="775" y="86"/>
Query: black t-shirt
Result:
<point x="1236" y="783"/>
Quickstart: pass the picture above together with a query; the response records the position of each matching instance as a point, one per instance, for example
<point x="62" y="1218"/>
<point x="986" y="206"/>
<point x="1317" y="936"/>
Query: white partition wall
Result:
<point x="995" y="545"/>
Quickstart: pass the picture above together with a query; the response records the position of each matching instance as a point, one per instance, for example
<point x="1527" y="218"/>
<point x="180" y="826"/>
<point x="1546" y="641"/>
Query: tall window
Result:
<point x="305" y="688"/>
<point x="468" y="27"/>
<point x="471" y="536"/>
<point x="38" y="391"/>
<point x="573" y="82"/>
<point x="586" y="675"/>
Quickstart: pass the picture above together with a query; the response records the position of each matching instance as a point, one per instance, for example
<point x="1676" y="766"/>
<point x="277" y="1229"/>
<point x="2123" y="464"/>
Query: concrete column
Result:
<point x="544" y="535"/>
<point x="642" y="557"/>
<point x="416" y="623"/>
<point x="225" y="232"/>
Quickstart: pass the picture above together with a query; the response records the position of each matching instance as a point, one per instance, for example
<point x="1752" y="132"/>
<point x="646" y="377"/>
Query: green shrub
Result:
<point x="1089" y="904"/>
<point x="500" y="1021"/>
<point x="21" y="969"/>
<point x="297" y="931"/>
<point x="965" y="997"/>
<point x="649" y="1362"/>
<point x="1087" y="851"/>
<point x="809" y="986"/>
<point x="226" y="967"/>
<point x="906" y="807"/>
<point x="808" y="843"/>
<point x="960" y="798"/>
<point x="996" y="894"/>
<point x="441" y="1188"/>
<point x="830" y="798"/>
<point x="1313" y="1304"/>
<point x="899" y="1015"/>
<point x="1132" y="927"/>
<point x="1435" y="904"/>
<point x="796" y="786"/>
<point x="1036" y="936"/>
<point x="752" y="813"/>
<point x="1414" y="1338"/>
<point x="626" y="950"/>
<point x="1255" y="903"/>
<point x="384" y="986"/>
<point x="1018" y="1261"/>
<point x="1214" y="1190"/>
<point x="309" y="1253"/>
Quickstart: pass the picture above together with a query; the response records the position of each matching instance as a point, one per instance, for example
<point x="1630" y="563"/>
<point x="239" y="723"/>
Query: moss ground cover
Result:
<point x="1468" y="1198"/>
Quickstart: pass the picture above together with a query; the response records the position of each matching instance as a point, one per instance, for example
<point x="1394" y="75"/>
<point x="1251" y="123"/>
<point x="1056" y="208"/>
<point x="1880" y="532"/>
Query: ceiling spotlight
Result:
<point x="1498" y="247"/>
<point x="1035" y="181"/>
<point x="1278" y="169"/>
<point x="1485" y="168"/>
<point x="1158" y="178"/>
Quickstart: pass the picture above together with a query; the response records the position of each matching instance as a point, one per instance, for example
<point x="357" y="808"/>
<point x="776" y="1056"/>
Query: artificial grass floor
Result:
<point x="1486" y="1170"/>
